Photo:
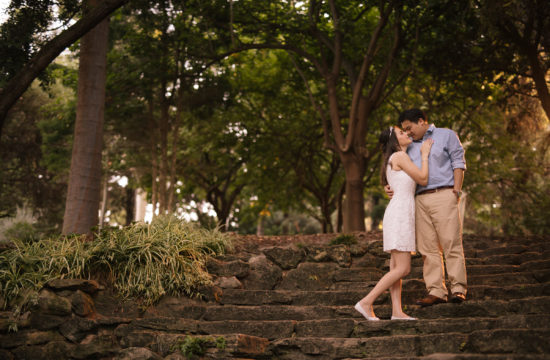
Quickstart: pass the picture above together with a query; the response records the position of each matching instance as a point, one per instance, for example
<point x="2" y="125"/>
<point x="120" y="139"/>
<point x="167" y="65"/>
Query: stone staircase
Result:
<point x="293" y="297"/>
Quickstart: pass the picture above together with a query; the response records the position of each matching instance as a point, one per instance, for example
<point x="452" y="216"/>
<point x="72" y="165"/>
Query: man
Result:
<point x="438" y="225"/>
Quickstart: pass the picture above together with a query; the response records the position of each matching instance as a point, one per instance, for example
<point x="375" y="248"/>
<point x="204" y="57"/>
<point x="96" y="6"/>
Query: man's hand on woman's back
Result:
<point x="388" y="191"/>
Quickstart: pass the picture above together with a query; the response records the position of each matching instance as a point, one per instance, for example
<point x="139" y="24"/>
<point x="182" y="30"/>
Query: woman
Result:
<point x="399" y="232"/>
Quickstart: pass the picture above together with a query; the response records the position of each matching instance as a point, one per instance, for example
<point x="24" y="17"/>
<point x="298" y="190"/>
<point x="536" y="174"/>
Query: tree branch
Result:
<point x="23" y="79"/>
<point x="357" y="90"/>
<point x="315" y="104"/>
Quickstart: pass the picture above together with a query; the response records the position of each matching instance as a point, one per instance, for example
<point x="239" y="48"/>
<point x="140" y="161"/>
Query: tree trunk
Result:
<point x="154" y="157"/>
<point x="130" y="205"/>
<point x="340" y="208"/>
<point x="354" y="208"/>
<point x="539" y="77"/>
<point x="326" y="224"/>
<point x="174" y="156"/>
<point x="104" y="194"/>
<point x="163" y="142"/>
<point x="260" y="226"/>
<point x="82" y="204"/>
<point x="23" y="79"/>
<point x="140" y="205"/>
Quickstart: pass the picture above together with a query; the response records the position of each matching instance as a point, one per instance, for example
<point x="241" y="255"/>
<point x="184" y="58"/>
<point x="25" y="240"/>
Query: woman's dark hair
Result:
<point x="389" y="144"/>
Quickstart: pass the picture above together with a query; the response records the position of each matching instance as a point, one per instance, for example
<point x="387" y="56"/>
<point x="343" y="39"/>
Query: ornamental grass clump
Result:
<point x="149" y="261"/>
<point x="27" y="266"/>
<point x="142" y="261"/>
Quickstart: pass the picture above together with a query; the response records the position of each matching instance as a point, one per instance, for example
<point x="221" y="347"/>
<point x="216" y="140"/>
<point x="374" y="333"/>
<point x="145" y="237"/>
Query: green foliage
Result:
<point x="288" y="142"/>
<point x="508" y="156"/>
<point x="192" y="347"/>
<point x="221" y="343"/>
<point x="36" y="149"/>
<point x="22" y="231"/>
<point x="27" y="29"/>
<point x="287" y="223"/>
<point x="18" y="34"/>
<point x="248" y="138"/>
<point x="344" y="239"/>
<point x="140" y="261"/>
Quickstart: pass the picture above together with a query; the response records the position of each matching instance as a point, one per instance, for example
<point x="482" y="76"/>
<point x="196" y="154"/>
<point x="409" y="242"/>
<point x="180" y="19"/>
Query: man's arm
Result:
<point x="459" y="179"/>
<point x="456" y="153"/>
<point x="389" y="191"/>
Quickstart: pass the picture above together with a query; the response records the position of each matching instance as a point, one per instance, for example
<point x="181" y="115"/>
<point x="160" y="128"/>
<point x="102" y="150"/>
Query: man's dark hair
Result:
<point x="412" y="115"/>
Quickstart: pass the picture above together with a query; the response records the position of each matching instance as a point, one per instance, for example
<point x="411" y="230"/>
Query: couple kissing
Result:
<point x="422" y="172"/>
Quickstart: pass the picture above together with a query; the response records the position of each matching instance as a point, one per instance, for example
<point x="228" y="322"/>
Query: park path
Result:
<point x="292" y="298"/>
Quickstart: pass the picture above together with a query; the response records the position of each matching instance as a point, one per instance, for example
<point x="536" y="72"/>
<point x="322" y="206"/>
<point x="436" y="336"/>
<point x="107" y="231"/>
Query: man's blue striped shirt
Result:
<point x="446" y="155"/>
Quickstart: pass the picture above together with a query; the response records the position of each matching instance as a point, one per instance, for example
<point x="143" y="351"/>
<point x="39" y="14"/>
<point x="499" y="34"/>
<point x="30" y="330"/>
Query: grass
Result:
<point x="140" y="261"/>
<point x="193" y="346"/>
<point x="344" y="239"/>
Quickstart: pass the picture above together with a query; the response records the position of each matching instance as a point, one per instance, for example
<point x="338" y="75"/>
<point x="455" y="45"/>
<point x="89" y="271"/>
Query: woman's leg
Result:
<point x="395" y="292"/>
<point x="401" y="268"/>
<point x="395" y="289"/>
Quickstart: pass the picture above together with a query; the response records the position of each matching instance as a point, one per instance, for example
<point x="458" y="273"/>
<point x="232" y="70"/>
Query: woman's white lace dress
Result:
<point x="398" y="224"/>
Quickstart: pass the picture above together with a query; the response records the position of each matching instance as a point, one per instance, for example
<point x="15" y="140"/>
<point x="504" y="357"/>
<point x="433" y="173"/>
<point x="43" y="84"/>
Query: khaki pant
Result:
<point x="438" y="233"/>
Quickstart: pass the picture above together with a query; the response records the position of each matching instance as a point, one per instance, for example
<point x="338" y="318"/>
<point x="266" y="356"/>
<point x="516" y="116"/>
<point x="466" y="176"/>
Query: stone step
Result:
<point x="216" y="312"/>
<point x="365" y="274"/>
<point x="373" y="244"/>
<point x="481" y="269"/>
<point x="514" y="259"/>
<point x="477" y="266"/>
<point x="334" y="328"/>
<point x="134" y="345"/>
<point x="462" y="356"/>
<point x="361" y="256"/>
<point x="326" y="276"/>
<point x="215" y="346"/>
<point x="507" y="279"/>
<point x="373" y="264"/>
<point x="540" y="246"/>
<point x="502" y="250"/>
<point x="365" y="328"/>
<point x="411" y="292"/>
<point x="524" y="261"/>
<point x="532" y="341"/>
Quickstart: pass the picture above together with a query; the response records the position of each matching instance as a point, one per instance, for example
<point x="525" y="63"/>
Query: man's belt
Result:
<point x="429" y="191"/>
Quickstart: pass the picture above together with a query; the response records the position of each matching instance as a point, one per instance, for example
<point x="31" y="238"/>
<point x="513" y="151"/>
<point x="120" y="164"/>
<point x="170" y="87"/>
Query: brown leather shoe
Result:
<point x="430" y="300"/>
<point x="458" y="298"/>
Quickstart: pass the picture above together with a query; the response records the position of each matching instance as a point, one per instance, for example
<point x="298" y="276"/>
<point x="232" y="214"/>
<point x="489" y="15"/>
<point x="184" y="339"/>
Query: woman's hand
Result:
<point x="426" y="148"/>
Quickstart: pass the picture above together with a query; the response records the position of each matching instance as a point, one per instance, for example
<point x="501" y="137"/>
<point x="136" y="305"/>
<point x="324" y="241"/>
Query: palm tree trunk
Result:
<point x="82" y="204"/>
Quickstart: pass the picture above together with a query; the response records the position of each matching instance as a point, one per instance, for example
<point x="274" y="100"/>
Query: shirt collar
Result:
<point x="429" y="132"/>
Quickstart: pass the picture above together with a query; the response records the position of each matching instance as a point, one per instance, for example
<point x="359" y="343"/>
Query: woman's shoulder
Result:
<point x="397" y="158"/>
<point x="399" y="155"/>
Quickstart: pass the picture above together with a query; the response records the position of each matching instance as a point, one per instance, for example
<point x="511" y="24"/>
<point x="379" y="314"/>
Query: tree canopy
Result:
<point x="236" y="113"/>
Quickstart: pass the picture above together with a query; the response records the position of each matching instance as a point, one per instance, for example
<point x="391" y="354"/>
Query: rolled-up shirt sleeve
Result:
<point x="456" y="151"/>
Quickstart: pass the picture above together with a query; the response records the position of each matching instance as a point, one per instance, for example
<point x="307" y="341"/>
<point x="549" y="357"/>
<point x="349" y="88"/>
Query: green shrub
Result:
<point x="192" y="347"/>
<point x="221" y="343"/>
<point x="344" y="239"/>
<point x="22" y="231"/>
<point x="140" y="261"/>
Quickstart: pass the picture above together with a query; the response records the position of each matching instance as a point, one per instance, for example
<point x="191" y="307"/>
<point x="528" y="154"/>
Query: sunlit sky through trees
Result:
<point x="3" y="6"/>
